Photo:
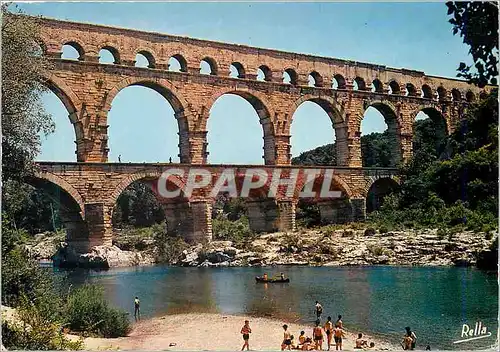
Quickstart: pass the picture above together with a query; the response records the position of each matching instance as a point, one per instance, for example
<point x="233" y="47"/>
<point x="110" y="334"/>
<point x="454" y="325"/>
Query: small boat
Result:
<point x="261" y="279"/>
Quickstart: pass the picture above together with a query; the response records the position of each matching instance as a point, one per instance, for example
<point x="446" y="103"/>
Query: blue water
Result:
<point x="382" y="300"/>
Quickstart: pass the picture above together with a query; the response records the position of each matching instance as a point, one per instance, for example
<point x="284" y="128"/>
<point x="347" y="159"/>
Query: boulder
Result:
<point x="217" y="257"/>
<point x="103" y="257"/>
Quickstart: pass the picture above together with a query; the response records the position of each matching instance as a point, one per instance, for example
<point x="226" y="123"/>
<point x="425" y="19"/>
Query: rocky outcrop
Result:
<point x="45" y="245"/>
<point x="101" y="257"/>
<point x="326" y="246"/>
<point x="344" y="248"/>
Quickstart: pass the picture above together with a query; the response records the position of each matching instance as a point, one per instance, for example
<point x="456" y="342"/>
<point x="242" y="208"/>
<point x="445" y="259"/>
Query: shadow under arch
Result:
<point x="166" y="89"/>
<point x="261" y="107"/>
<point x="430" y="133"/>
<point x="175" y="209"/>
<point x="70" y="205"/>
<point x="336" y="115"/>
<point x="388" y="111"/>
<point x="320" y="208"/>
<point x="377" y="191"/>
<point x="435" y="115"/>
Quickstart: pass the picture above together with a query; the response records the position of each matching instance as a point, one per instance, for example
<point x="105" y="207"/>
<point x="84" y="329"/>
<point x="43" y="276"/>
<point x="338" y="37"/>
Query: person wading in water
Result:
<point x="246" y="331"/>
<point x="319" y="310"/>
<point x="137" y="308"/>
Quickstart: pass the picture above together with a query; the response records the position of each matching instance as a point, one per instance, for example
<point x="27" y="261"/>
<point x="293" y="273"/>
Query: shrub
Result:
<point x="227" y="230"/>
<point x="328" y="249"/>
<point x="370" y="231"/>
<point x="290" y="241"/>
<point x="442" y="233"/>
<point x="375" y="250"/>
<point x="87" y="311"/>
<point x="348" y="233"/>
<point x="34" y="331"/>
<point x="383" y="229"/>
<point x="169" y="246"/>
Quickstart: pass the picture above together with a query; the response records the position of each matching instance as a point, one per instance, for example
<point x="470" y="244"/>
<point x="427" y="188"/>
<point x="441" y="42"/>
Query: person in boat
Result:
<point x="338" y="334"/>
<point x="318" y="336"/>
<point x="319" y="310"/>
<point x="265" y="276"/>
<point x="360" y="343"/>
<point x="246" y="331"/>
<point x="287" y="339"/>
<point x="329" y="331"/>
<point x="137" y="308"/>
<point x="282" y="276"/>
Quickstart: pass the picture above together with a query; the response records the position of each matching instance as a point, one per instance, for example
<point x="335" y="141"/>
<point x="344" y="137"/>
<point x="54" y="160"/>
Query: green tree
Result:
<point x="23" y="115"/>
<point x="477" y="23"/>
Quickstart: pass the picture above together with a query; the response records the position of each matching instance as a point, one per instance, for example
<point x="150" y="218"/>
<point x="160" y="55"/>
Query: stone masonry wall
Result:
<point x="87" y="89"/>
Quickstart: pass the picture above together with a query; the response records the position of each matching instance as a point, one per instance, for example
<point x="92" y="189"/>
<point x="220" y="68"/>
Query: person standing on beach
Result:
<point x="287" y="339"/>
<point x="319" y="310"/>
<point x="318" y="336"/>
<point x="137" y="308"/>
<point x="338" y="334"/>
<point x="329" y="331"/>
<point x="246" y="331"/>
<point x="339" y="322"/>
<point x="409" y="340"/>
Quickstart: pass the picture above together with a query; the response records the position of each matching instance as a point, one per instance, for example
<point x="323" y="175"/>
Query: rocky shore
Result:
<point x="326" y="246"/>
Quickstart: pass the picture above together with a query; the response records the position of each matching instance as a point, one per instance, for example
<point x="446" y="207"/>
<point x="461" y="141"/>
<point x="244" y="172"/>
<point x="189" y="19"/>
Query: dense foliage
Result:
<point x="137" y="206"/>
<point x="23" y="115"/>
<point x="477" y="23"/>
<point x="38" y="298"/>
<point x="375" y="152"/>
<point x="87" y="311"/>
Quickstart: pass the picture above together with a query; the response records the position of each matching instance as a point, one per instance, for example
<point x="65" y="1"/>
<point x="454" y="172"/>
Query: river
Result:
<point x="434" y="301"/>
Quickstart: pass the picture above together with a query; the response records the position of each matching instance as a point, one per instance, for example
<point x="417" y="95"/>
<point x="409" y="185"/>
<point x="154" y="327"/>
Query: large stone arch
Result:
<point x="71" y="206"/>
<point x="72" y="104"/>
<point x="377" y="189"/>
<point x="336" y="179"/>
<point x="434" y="112"/>
<point x="166" y="89"/>
<point x="42" y="178"/>
<point x="394" y="124"/>
<point x="162" y="86"/>
<point x="263" y="109"/>
<point x="337" y="117"/>
<point x="138" y="176"/>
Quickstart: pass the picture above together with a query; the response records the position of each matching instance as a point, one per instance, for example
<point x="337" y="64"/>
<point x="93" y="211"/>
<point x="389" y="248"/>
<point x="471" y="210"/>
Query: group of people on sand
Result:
<point x="307" y="343"/>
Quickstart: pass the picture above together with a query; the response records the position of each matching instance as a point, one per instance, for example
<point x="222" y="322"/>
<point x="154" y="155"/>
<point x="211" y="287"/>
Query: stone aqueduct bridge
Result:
<point x="88" y="192"/>
<point x="87" y="89"/>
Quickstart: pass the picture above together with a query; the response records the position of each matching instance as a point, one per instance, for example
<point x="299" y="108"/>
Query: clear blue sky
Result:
<point x="410" y="35"/>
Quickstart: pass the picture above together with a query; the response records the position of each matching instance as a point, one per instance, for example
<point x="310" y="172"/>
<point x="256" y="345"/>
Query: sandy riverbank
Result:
<point x="211" y="332"/>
